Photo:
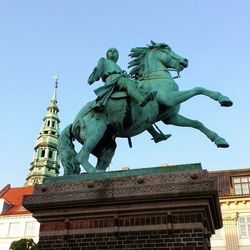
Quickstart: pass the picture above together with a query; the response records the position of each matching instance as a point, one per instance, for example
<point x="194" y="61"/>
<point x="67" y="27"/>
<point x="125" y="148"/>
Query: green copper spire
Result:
<point x="44" y="162"/>
<point x="54" y="98"/>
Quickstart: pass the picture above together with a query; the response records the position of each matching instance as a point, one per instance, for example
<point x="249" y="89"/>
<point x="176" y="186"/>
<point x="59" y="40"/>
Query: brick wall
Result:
<point x="182" y="239"/>
<point x="125" y="223"/>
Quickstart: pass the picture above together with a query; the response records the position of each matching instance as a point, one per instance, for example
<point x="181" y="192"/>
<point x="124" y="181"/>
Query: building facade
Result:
<point x="234" y="193"/>
<point x="15" y="221"/>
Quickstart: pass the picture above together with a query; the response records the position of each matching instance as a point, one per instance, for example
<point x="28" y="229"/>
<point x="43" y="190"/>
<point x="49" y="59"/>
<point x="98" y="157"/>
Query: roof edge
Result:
<point x="4" y="190"/>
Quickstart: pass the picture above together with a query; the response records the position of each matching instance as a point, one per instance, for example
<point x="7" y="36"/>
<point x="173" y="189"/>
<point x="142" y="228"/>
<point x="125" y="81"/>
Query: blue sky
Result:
<point x="42" y="38"/>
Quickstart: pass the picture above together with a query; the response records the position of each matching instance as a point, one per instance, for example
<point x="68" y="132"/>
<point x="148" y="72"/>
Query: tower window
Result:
<point x="50" y="154"/>
<point x="53" y="124"/>
<point x="43" y="153"/>
<point x="48" y="123"/>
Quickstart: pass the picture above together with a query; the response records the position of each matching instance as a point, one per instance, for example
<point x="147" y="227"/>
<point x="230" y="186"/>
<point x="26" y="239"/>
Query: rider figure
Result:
<point x="113" y="76"/>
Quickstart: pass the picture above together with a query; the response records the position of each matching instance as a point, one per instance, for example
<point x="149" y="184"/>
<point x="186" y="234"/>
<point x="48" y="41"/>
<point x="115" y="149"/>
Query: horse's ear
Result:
<point x="153" y="43"/>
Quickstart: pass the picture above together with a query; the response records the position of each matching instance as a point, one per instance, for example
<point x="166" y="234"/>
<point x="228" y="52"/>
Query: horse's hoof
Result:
<point x="95" y="171"/>
<point x="225" y="102"/>
<point x="221" y="143"/>
<point x="99" y="171"/>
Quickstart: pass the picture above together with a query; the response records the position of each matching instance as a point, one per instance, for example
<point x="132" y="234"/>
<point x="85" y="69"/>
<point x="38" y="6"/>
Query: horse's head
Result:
<point x="170" y="59"/>
<point x="155" y="57"/>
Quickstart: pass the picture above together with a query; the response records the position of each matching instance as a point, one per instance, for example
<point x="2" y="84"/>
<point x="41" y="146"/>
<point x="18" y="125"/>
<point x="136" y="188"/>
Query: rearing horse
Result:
<point x="97" y="131"/>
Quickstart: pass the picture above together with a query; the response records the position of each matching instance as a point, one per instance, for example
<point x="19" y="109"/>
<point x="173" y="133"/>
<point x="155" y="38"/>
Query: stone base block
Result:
<point x="146" y="210"/>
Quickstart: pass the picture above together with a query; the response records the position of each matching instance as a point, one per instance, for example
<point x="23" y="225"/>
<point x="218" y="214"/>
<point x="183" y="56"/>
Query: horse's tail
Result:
<point x="67" y="153"/>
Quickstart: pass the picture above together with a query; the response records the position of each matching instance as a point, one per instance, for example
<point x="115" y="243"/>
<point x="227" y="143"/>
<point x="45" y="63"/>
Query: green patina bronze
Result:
<point x="127" y="105"/>
<point x="117" y="79"/>
<point x="114" y="77"/>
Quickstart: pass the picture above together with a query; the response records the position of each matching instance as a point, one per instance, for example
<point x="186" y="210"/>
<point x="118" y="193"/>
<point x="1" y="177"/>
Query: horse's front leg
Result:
<point x="104" y="159"/>
<point x="183" y="96"/>
<point x="91" y="134"/>
<point x="180" y="120"/>
<point x="104" y="151"/>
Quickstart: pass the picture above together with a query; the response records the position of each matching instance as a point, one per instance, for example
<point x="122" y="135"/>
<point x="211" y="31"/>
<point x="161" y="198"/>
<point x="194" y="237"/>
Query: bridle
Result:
<point x="173" y="69"/>
<point x="168" y="69"/>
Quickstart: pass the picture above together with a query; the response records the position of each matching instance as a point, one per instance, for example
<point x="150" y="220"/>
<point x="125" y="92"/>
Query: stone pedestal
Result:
<point x="173" y="207"/>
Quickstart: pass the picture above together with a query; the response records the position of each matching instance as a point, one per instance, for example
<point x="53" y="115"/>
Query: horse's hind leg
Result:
<point x="183" y="96"/>
<point x="180" y="120"/>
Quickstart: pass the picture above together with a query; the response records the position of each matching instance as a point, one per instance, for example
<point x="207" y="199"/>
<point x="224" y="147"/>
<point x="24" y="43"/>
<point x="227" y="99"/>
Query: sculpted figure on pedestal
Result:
<point x="127" y="105"/>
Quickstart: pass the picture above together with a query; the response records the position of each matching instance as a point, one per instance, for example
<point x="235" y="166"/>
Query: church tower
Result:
<point x="45" y="162"/>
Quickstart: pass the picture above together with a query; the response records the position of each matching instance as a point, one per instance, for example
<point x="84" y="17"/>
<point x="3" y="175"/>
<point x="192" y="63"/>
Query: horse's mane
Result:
<point x="138" y="54"/>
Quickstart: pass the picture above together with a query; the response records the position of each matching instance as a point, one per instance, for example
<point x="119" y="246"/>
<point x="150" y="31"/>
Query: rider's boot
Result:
<point x="157" y="137"/>
<point x="161" y="137"/>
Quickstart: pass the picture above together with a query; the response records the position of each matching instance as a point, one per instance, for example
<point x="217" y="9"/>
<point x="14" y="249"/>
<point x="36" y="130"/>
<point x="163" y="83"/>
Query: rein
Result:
<point x="178" y="73"/>
<point x="147" y="77"/>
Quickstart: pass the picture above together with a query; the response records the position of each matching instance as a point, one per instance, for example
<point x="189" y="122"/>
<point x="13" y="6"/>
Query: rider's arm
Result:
<point x="97" y="72"/>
